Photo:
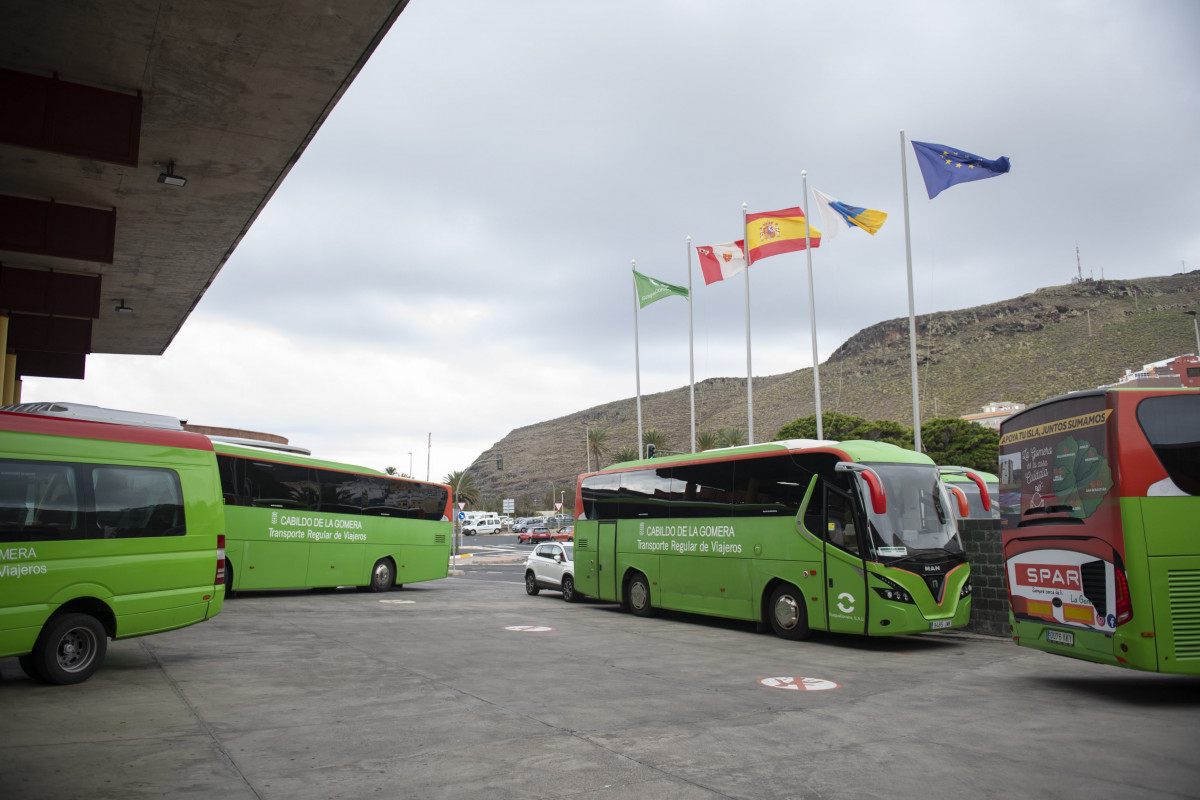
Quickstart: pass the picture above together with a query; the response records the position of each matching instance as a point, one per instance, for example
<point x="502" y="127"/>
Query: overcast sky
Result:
<point x="451" y="255"/>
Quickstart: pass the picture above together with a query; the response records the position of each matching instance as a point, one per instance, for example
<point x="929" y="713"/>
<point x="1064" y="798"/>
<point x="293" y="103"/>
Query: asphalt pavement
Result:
<point x="463" y="688"/>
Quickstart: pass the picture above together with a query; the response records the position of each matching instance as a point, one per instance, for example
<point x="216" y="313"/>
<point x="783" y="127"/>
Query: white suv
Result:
<point x="551" y="566"/>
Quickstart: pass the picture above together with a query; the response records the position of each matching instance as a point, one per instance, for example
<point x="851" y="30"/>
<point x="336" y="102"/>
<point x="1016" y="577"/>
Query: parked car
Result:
<point x="552" y="566"/>
<point x="566" y="534"/>
<point x="483" y="525"/>
<point x="535" y="533"/>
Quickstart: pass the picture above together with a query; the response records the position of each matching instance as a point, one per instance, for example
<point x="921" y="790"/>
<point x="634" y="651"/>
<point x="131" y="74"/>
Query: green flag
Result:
<point x="649" y="289"/>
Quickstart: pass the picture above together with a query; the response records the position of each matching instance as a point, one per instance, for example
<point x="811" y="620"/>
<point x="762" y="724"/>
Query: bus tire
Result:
<point x="383" y="575"/>
<point x="26" y="662"/>
<point x="70" y="648"/>
<point x="787" y="613"/>
<point x="531" y="587"/>
<point x="229" y="592"/>
<point x="568" y="589"/>
<point x="639" y="596"/>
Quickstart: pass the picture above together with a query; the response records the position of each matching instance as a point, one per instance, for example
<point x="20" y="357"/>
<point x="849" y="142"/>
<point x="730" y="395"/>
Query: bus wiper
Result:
<point x="1050" y="510"/>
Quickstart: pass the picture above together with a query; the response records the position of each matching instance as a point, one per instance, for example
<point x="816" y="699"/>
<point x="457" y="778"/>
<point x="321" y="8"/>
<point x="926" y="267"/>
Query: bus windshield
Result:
<point x="919" y="518"/>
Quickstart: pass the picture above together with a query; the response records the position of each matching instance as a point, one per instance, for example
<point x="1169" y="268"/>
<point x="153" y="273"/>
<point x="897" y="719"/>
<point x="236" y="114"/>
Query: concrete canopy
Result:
<point x="230" y="91"/>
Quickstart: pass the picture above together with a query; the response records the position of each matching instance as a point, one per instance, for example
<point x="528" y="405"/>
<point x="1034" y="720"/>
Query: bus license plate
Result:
<point x="1065" y="638"/>
<point x="940" y="623"/>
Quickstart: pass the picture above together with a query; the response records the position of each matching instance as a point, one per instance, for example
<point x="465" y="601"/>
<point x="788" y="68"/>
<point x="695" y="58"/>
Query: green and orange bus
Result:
<point x="1100" y="508"/>
<point x="853" y="537"/>
<point x="293" y="521"/>
<point x="106" y="531"/>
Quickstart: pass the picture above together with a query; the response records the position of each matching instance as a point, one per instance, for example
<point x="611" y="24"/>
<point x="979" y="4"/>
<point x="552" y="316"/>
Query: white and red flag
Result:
<point x="721" y="261"/>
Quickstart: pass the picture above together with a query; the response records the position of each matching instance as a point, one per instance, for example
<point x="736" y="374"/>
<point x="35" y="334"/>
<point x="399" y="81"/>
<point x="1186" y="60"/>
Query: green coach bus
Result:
<point x="293" y="521"/>
<point x="106" y="531"/>
<point x="852" y="537"/>
<point x="1100" y="510"/>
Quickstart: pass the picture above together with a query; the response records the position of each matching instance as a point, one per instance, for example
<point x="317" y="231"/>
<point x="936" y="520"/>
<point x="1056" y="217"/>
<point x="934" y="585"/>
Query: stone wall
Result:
<point x="989" y="602"/>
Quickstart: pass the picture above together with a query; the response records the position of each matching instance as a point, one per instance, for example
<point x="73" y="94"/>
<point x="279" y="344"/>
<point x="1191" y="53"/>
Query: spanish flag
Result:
<point x="773" y="232"/>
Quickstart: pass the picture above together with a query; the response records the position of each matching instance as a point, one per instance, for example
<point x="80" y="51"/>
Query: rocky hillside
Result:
<point x="1027" y="349"/>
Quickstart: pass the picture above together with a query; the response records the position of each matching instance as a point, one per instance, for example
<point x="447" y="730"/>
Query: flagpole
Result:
<point x="637" y="365"/>
<point x="749" y="372"/>
<point x="691" y="353"/>
<point x="812" y="307"/>
<point x="912" y="317"/>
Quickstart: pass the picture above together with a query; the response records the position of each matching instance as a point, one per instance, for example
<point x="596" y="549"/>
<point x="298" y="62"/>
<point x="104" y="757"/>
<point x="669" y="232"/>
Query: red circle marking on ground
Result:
<point x="808" y="684"/>
<point x="528" y="628"/>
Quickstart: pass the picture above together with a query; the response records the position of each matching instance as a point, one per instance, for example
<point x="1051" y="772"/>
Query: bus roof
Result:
<point x="858" y="450"/>
<point x="1100" y="392"/>
<point x="103" y="431"/>
<point x="259" y="454"/>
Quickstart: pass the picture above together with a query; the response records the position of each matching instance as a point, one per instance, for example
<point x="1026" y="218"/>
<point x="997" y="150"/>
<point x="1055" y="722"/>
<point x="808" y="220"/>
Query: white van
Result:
<point x="481" y="525"/>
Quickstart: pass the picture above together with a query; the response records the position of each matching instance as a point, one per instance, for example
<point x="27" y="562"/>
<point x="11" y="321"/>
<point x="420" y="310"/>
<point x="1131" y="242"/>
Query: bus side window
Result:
<point x="38" y="502"/>
<point x="137" y="501"/>
<point x="840" y="530"/>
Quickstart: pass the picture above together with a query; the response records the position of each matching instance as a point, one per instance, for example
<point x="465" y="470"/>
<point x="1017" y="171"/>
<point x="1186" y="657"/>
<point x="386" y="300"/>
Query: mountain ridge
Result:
<point x="1025" y="349"/>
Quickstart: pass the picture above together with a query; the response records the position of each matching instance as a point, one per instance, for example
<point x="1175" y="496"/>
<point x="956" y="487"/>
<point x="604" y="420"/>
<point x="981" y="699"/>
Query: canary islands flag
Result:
<point x="770" y="233"/>
<point x="942" y="166"/>
<point x="837" y="216"/>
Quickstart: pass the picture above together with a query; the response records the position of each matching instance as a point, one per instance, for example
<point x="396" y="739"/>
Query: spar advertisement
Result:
<point x="1060" y="520"/>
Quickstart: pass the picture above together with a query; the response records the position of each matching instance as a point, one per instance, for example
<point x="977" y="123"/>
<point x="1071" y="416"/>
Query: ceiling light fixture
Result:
<point x="170" y="178"/>
<point x="121" y="308"/>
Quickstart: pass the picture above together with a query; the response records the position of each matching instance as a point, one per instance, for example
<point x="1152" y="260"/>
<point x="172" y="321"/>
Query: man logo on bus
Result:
<point x="1049" y="576"/>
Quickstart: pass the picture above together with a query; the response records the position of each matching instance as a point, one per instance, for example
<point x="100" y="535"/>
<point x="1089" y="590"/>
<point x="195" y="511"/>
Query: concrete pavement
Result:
<point x="472" y="689"/>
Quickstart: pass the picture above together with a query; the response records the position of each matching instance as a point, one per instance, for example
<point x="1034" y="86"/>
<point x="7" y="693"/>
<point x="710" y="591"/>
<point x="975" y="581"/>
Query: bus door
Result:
<point x="845" y="576"/>
<point x="606" y="560"/>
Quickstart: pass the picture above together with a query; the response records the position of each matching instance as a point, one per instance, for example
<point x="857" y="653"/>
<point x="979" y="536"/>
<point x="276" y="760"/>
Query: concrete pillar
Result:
<point x="4" y="356"/>
<point x="10" y="379"/>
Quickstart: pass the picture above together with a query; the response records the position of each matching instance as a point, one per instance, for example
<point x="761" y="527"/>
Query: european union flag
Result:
<point x="942" y="166"/>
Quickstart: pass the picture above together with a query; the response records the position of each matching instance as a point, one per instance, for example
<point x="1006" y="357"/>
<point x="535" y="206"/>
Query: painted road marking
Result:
<point x="397" y="602"/>
<point x="528" y="628"/>
<point x="810" y="684"/>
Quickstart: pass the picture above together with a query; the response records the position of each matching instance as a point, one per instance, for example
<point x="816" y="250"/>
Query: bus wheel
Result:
<point x="789" y="618"/>
<point x="568" y="589"/>
<point x="26" y="662"/>
<point x="531" y="587"/>
<point x="70" y="649"/>
<point x="229" y="592"/>
<point x="382" y="575"/>
<point x="639" y="596"/>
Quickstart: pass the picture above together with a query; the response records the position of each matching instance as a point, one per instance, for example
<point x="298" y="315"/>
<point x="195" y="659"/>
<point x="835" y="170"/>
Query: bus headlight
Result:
<point x="892" y="591"/>
<point x="965" y="591"/>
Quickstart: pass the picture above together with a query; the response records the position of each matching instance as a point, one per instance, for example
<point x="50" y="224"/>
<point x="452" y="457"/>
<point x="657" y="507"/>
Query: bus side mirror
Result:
<point x="983" y="492"/>
<point x="878" y="496"/>
<point x="963" y="507"/>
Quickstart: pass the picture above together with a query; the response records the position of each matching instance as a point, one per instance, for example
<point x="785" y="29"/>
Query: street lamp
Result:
<point x="1196" y="325"/>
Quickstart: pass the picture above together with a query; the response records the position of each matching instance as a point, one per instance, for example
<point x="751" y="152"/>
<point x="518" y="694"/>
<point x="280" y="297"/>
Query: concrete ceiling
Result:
<point x="232" y="91"/>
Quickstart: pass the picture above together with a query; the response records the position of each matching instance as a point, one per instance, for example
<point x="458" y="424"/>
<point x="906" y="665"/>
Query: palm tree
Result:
<point x="731" y="437"/>
<point x="707" y="440"/>
<point x="464" y="487"/>
<point x="390" y="471"/>
<point x="596" y="440"/>
<point x="625" y="454"/>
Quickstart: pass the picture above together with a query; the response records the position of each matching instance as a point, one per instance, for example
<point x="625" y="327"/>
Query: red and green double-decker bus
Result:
<point x="1100" y="507"/>
<point x="854" y="537"/>
<point x="294" y="522"/>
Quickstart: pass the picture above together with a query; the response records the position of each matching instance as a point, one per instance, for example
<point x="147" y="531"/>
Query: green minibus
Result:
<point x="106" y="531"/>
